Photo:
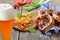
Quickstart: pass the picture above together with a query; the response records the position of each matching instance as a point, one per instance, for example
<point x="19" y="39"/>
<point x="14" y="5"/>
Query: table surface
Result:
<point x="18" y="35"/>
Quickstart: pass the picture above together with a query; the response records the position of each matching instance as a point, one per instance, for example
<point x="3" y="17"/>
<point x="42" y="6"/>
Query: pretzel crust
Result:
<point x="56" y="16"/>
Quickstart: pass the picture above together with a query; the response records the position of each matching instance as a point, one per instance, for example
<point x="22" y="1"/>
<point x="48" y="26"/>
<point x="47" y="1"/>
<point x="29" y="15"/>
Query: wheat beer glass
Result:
<point x="6" y="20"/>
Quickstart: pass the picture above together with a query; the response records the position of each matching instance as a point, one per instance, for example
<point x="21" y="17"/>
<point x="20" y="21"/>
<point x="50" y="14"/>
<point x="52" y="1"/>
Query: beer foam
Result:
<point x="6" y="12"/>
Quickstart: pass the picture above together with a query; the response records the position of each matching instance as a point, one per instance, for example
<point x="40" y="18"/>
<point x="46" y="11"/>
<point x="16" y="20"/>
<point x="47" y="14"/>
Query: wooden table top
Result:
<point x="17" y="35"/>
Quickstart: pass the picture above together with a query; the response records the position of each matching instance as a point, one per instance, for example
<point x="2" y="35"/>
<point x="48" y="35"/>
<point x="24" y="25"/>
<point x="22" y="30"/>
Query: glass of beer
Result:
<point x="6" y="20"/>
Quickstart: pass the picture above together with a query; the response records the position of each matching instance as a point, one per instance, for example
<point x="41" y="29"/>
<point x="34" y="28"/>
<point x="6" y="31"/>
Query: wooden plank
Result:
<point x="54" y="36"/>
<point x="0" y="37"/>
<point x="55" y="3"/>
<point x="10" y="1"/>
<point x="7" y="1"/>
<point x="15" y="34"/>
<point x="2" y="1"/>
<point x="33" y="36"/>
<point x="58" y="36"/>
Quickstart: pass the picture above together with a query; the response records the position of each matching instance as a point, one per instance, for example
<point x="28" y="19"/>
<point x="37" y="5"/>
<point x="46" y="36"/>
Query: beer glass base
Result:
<point x="6" y="29"/>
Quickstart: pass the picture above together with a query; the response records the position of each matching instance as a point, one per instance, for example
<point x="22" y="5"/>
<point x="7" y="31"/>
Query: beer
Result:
<point x="6" y="28"/>
<point x="6" y="20"/>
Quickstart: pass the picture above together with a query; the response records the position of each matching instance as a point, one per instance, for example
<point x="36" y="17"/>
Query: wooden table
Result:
<point x="17" y="35"/>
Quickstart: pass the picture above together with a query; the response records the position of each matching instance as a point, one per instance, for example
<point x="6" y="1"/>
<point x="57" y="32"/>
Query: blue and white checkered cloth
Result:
<point x="47" y="6"/>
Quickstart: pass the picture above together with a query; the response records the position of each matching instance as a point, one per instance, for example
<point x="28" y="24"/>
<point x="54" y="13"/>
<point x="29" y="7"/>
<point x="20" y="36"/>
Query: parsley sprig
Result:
<point x="32" y="29"/>
<point x="30" y="15"/>
<point x="19" y="15"/>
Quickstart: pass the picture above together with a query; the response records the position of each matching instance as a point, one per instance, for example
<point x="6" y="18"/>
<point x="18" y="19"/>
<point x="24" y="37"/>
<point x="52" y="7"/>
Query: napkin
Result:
<point x="47" y="6"/>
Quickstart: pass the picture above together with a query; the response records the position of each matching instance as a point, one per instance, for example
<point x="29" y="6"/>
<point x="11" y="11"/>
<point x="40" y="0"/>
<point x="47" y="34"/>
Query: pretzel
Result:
<point x="42" y="17"/>
<point x="56" y="16"/>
